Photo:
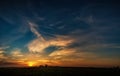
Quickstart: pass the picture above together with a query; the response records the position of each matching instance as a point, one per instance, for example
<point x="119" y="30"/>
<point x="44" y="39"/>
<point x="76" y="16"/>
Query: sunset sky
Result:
<point x="59" y="33"/>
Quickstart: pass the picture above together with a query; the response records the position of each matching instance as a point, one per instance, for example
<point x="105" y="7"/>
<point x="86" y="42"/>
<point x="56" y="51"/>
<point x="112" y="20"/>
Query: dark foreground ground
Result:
<point x="59" y="71"/>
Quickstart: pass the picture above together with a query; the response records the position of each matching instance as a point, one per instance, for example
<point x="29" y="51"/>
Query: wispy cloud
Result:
<point x="16" y="30"/>
<point x="33" y="29"/>
<point x="89" y="19"/>
<point x="65" y="37"/>
<point x="56" y="23"/>
<point x="4" y="47"/>
<point x="16" y="53"/>
<point x="2" y="55"/>
<point x="39" y="44"/>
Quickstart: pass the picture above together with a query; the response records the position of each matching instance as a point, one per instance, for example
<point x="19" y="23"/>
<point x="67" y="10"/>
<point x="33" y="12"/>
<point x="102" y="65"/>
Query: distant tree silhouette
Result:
<point x="46" y="66"/>
<point x="41" y="66"/>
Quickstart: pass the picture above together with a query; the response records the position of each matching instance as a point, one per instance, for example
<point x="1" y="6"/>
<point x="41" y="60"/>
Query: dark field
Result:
<point x="59" y="71"/>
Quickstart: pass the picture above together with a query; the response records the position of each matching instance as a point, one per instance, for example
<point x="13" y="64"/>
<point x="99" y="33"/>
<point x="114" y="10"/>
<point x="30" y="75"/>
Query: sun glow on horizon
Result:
<point x="31" y="64"/>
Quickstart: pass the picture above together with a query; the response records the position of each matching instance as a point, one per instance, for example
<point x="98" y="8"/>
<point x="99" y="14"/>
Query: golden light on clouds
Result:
<point x="39" y="44"/>
<point x="63" y="55"/>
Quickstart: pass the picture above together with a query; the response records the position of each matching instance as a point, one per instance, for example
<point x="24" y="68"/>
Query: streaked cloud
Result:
<point x="89" y="19"/>
<point x="16" y="53"/>
<point x="33" y="29"/>
<point x="2" y="55"/>
<point x="38" y="32"/>
<point x="39" y="44"/>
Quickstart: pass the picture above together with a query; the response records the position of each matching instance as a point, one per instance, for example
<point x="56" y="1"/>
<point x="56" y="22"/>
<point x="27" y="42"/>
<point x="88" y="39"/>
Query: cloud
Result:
<point x="74" y="48"/>
<point x="72" y="54"/>
<point x="2" y="55"/>
<point x="9" y="64"/>
<point x="88" y="19"/>
<point x="61" y="27"/>
<point x="39" y="44"/>
<point x="66" y="36"/>
<point x="4" y="47"/>
<point x="61" y="40"/>
<point x="33" y="29"/>
<point x="73" y="57"/>
<point x="62" y="53"/>
<point x="15" y="32"/>
<point x="56" y="23"/>
<point x="16" y="53"/>
<point x="11" y="60"/>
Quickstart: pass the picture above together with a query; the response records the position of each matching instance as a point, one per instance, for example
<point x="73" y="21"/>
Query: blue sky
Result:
<point x="65" y="33"/>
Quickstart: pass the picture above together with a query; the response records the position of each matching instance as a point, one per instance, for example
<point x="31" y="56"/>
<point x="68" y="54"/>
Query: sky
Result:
<point x="59" y="33"/>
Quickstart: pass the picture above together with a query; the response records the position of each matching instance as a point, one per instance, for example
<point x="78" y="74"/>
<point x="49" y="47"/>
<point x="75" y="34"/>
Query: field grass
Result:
<point x="59" y="71"/>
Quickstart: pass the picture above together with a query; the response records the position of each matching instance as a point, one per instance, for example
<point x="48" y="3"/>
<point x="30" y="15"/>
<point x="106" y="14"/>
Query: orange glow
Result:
<point x="31" y="64"/>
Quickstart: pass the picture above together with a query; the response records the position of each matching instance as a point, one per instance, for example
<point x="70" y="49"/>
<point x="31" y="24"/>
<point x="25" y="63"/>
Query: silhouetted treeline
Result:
<point x="60" y="71"/>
